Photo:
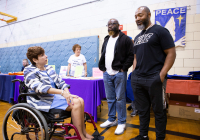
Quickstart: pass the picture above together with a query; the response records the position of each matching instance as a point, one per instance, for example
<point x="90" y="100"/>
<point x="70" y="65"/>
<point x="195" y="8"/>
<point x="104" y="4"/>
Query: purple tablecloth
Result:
<point x="16" y="93"/>
<point x="92" y="91"/>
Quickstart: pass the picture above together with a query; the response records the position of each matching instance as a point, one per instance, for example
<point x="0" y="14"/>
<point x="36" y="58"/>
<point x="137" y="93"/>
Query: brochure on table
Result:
<point x="96" y="72"/>
<point x="78" y="71"/>
<point x="63" y="71"/>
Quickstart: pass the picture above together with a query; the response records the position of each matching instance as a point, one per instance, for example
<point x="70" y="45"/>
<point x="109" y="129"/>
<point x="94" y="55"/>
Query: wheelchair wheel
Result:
<point x="23" y="122"/>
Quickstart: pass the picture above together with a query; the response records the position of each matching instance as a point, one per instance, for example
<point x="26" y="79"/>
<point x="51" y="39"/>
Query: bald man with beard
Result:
<point x="116" y="57"/>
<point x="154" y="55"/>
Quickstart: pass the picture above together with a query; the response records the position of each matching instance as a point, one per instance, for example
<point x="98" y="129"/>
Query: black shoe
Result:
<point x="139" y="137"/>
<point x="129" y="107"/>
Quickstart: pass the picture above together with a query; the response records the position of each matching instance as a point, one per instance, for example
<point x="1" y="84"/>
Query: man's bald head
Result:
<point x="145" y="8"/>
<point x="114" y="20"/>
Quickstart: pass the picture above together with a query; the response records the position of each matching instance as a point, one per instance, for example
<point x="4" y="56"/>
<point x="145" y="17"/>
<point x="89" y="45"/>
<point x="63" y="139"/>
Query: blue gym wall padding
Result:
<point x="58" y="53"/>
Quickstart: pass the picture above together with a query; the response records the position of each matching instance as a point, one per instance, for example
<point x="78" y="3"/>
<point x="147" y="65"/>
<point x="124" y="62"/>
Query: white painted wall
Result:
<point x="84" y="17"/>
<point x="91" y="19"/>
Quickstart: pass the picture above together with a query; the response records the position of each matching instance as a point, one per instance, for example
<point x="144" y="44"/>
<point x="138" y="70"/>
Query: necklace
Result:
<point x="150" y="26"/>
<point x="147" y="29"/>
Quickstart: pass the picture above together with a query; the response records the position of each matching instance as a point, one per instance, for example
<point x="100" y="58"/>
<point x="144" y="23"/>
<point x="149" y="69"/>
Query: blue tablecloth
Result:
<point x="180" y="77"/>
<point x="92" y="92"/>
<point x="195" y="75"/>
<point x="7" y="88"/>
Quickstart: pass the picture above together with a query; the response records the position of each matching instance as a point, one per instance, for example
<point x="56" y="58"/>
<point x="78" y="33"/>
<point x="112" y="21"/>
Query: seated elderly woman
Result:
<point x="41" y="78"/>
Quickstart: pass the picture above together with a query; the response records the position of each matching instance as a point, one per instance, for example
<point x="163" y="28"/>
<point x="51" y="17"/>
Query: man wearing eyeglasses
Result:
<point x="116" y="57"/>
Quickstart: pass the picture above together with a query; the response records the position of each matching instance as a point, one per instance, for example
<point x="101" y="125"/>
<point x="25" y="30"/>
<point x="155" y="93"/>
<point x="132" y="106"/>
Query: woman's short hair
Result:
<point x="75" y="46"/>
<point x="34" y="52"/>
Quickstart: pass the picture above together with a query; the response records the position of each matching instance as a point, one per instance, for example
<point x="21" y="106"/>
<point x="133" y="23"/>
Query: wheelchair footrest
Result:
<point x="97" y="136"/>
<point x="60" y="133"/>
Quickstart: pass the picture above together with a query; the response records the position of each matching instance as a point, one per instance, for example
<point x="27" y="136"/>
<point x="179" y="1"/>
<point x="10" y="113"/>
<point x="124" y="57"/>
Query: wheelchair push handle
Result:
<point x="15" y="80"/>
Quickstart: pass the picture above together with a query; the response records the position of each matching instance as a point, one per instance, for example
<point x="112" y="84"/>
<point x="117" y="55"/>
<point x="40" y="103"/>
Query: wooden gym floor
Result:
<point x="177" y="128"/>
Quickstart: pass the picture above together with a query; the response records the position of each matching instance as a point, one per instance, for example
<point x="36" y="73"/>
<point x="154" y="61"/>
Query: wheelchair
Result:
<point x="22" y="121"/>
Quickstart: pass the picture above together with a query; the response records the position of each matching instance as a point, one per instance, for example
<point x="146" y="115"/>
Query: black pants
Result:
<point x="149" y="91"/>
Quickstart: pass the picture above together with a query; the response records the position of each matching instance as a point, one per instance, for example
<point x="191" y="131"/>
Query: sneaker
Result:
<point x="120" y="129"/>
<point x="108" y="124"/>
<point x="134" y="113"/>
<point x="139" y="137"/>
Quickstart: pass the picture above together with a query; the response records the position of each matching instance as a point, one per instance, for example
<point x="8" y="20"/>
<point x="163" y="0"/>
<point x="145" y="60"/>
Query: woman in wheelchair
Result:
<point x="54" y="92"/>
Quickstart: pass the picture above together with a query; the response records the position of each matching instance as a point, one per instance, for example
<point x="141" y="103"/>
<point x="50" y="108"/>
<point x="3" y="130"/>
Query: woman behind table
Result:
<point x="77" y="59"/>
<point x="41" y="78"/>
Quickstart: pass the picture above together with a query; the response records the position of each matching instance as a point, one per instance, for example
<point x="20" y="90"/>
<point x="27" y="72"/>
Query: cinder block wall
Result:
<point x="91" y="19"/>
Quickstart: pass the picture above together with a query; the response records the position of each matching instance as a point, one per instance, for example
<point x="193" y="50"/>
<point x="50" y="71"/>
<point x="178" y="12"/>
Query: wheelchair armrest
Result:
<point x="29" y="94"/>
<point x="15" y="80"/>
<point x="22" y="96"/>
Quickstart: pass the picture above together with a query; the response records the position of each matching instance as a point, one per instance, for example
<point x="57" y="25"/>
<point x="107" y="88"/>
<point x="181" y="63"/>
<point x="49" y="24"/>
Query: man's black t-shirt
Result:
<point x="149" y="48"/>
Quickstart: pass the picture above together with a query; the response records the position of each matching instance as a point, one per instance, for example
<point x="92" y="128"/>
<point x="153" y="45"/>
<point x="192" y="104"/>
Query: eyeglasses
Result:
<point x="111" y="24"/>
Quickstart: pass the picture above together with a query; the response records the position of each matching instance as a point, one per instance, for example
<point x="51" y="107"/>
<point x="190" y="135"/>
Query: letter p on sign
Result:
<point x="158" y="12"/>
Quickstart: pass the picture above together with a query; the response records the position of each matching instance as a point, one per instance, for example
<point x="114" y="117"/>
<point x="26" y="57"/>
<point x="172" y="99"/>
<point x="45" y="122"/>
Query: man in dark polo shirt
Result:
<point x="154" y="55"/>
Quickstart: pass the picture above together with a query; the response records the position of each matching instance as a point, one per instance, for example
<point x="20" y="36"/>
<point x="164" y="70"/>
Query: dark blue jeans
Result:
<point x="115" y="87"/>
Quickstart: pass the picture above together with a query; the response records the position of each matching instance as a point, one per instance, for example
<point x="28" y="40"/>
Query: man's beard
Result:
<point x="141" y="27"/>
<point x="111" y="33"/>
<point x="144" y="24"/>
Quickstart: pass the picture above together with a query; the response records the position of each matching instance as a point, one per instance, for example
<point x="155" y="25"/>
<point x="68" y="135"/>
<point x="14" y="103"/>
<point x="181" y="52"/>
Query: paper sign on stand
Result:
<point x="78" y="71"/>
<point x="63" y="71"/>
<point x="53" y="66"/>
<point x="96" y="72"/>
